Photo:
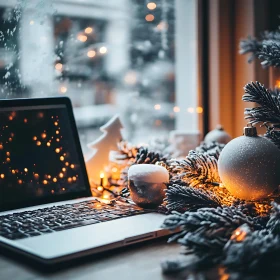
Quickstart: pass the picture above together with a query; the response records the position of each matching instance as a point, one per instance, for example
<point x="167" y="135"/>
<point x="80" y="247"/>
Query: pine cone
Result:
<point x="126" y="151"/>
<point x="148" y="157"/>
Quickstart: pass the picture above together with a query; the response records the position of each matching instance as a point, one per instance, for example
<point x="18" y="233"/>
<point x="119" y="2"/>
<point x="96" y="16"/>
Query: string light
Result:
<point x="58" y="66"/>
<point x="157" y="107"/>
<point x="149" y="17"/>
<point x="25" y="170"/>
<point x="88" y="30"/>
<point x="62" y="158"/>
<point x="190" y="109"/>
<point x="176" y="109"/>
<point x="2" y="176"/>
<point x="57" y="150"/>
<point x="199" y="110"/>
<point x="82" y="38"/>
<point x="91" y="53"/>
<point x="63" y="89"/>
<point x="54" y="179"/>
<point x="151" y="5"/>
<point x="31" y="22"/>
<point x="103" y="50"/>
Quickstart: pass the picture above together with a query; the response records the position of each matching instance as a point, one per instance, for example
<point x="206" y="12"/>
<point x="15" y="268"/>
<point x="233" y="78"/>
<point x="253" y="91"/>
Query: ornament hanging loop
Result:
<point x="250" y="131"/>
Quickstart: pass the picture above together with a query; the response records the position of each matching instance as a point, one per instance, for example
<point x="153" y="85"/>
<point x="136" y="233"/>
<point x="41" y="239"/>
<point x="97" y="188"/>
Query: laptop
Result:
<point x="47" y="212"/>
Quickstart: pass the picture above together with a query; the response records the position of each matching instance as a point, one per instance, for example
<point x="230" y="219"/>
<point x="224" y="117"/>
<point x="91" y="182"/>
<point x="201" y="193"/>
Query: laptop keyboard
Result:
<point x="58" y="218"/>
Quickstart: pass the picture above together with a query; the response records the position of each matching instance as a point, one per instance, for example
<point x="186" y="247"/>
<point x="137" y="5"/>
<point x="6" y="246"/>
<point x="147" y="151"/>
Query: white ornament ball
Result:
<point x="217" y="135"/>
<point x="249" y="166"/>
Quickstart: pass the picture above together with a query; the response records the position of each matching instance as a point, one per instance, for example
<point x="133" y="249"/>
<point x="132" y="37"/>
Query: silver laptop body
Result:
<point x="17" y="186"/>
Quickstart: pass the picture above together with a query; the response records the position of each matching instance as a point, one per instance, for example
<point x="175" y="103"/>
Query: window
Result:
<point x="114" y="56"/>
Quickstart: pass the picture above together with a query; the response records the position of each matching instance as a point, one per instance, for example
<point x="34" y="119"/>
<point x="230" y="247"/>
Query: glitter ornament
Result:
<point x="217" y="135"/>
<point x="249" y="166"/>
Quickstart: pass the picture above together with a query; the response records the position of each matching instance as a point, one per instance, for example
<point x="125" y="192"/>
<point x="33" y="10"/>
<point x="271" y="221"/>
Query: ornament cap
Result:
<point x="250" y="131"/>
<point x="219" y="127"/>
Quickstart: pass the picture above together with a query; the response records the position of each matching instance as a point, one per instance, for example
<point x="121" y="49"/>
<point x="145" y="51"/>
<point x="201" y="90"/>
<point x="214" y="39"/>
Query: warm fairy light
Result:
<point x="74" y="178"/>
<point x="49" y="176"/>
<point x="58" y="66"/>
<point x="82" y="38"/>
<point x="55" y="180"/>
<point x="103" y="50"/>
<point x="38" y="143"/>
<point x="91" y="53"/>
<point x="199" y="110"/>
<point x="13" y="171"/>
<point x="66" y="163"/>
<point x="40" y="115"/>
<point x="72" y="166"/>
<point x="2" y="176"/>
<point x="63" y="89"/>
<point x="114" y="169"/>
<point x="43" y="135"/>
<point x="56" y="123"/>
<point x="190" y="109"/>
<point x="31" y="22"/>
<point x="34" y="138"/>
<point x="57" y="150"/>
<point x="63" y="189"/>
<point x="151" y="5"/>
<point x="1" y="147"/>
<point x="106" y="196"/>
<point x="60" y="175"/>
<point x="25" y="170"/>
<point x="57" y="140"/>
<point x="10" y="139"/>
<point x="62" y="158"/>
<point x="176" y="109"/>
<point x="8" y="159"/>
<point x="101" y="175"/>
<point x="162" y="26"/>
<point x="20" y="181"/>
<point x="149" y="17"/>
<point x="157" y="107"/>
<point x="88" y="30"/>
<point x="52" y="191"/>
<point x="45" y="182"/>
<point x="238" y="235"/>
<point x="69" y="180"/>
<point x="36" y="176"/>
<point x="48" y="144"/>
<point x="10" y="118"/>
<point x="63" y="169"/>
<point x="158" y="122"/>
<point x="277" y="83"/>
<point x="25" y="120"/>
<point x="57" y="132"/>
<point x="100" y="188"/>
<point x="8" y="154"/>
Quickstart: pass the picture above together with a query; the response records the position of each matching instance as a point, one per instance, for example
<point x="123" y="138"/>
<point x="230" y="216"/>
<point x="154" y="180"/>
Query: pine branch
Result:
<point x="273" y="136"/>
<point x="258" y="253"/>
<point x="206" y="231"/>
<point x="251" y="46"/>
<point x="270" y="53"/>
<point x="210" y="149"/>
<point x="274" y="222"/>
<point x="182" y="198"/>
<point x="196" y="169"/>
<point x="146" y="156"/>
<point x="269" y="110"/>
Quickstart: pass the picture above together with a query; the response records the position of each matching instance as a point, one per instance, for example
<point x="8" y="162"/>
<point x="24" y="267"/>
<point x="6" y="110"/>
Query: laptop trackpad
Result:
<point x="117" y="233"/>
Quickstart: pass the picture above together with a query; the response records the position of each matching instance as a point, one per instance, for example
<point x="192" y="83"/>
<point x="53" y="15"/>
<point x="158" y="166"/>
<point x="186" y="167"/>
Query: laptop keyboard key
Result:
<point x="63" y="217"/>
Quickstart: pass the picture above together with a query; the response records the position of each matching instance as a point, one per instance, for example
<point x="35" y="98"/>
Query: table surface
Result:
<point x="141" y="261"/>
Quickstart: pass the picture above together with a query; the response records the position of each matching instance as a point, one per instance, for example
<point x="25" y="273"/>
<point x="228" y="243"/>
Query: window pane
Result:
<point x="114" y="56"/>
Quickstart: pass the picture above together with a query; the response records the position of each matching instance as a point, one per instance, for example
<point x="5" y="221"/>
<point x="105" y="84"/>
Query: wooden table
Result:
<point x="141" y="261"/>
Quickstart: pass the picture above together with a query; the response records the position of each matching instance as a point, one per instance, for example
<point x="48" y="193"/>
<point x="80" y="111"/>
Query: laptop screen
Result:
<point x="39" y="159"/>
